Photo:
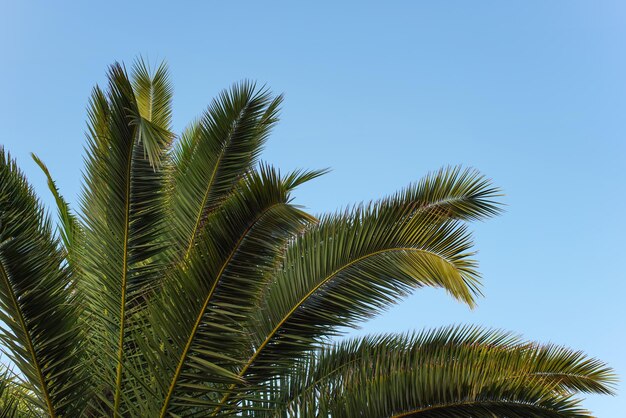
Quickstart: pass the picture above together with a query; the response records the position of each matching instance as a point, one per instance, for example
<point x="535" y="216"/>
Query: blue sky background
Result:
<point x="532" y="93"/>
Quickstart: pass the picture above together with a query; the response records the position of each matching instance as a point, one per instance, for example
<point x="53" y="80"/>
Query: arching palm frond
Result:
<point x="447" y="372"/>
<point x="211" y="297"/>
<point x="352" y="265"/>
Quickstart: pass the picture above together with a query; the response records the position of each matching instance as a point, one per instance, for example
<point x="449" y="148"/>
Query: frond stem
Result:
<point x="120" y="352"/>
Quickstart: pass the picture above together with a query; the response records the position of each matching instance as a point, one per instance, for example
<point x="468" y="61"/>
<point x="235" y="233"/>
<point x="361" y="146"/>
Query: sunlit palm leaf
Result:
<point x="447" y="372"/>
<point x="214" y="155"/>
<point x="352" y="265"/>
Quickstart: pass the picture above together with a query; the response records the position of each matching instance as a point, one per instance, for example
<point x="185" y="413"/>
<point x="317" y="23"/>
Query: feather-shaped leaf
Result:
<point x="446" y="372"/>
<point x="38" y="315"/>
<point x="352" y="265"/>
<point x="123" y="209"/>
<point x="241" y="244"/>
<point x="215" y="154"/>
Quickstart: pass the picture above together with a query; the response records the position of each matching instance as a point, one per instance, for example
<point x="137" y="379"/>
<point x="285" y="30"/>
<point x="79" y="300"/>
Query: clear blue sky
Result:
<point x="532" y="93"/>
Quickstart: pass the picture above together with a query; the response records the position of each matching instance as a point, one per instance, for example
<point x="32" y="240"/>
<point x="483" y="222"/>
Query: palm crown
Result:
<point x="189" y="284"/>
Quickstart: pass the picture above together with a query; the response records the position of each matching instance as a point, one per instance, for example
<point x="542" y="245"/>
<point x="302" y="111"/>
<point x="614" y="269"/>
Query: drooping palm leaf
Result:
<point x="350" y="266"/>
<point x="446" y="372"/>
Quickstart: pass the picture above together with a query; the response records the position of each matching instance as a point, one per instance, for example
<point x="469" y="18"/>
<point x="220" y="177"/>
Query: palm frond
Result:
<point x="210" y="298"/>
<point x="351" y="266"/>
<point x="446" y="372"/>
<point x="39" y="329"/>
<point x="123" y="209"/>
<point x="215" y="154"/>
<point x="69" y="227"/>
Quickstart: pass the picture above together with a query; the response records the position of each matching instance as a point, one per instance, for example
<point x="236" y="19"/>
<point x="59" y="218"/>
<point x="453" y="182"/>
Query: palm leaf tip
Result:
<point x="153" y="93"/>
<point x="456" y="192"/>
<point x="215" y="154"/>
<point x="69" y="226"/>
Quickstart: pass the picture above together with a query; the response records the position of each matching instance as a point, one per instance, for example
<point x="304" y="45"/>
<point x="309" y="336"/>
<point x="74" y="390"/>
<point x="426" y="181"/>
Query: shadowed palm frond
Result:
<point x="123" y="209"/>
<point x="38" y="318"/>
<point x="242" y="242"/>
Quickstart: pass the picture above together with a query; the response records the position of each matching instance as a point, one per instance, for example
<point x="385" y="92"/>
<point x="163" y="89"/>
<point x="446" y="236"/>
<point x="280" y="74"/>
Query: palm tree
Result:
<point x="189" y="284"/>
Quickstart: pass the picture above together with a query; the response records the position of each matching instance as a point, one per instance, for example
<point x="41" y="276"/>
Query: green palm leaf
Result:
<point x="215" y="153"/>
<point x="447" y="372"/>
<point x="241" y="244"/>
<point x="69" y="226"/>
<point x="123" y="208"/>
<point x="350" y="266"/>
<point x="39" y="320"/>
